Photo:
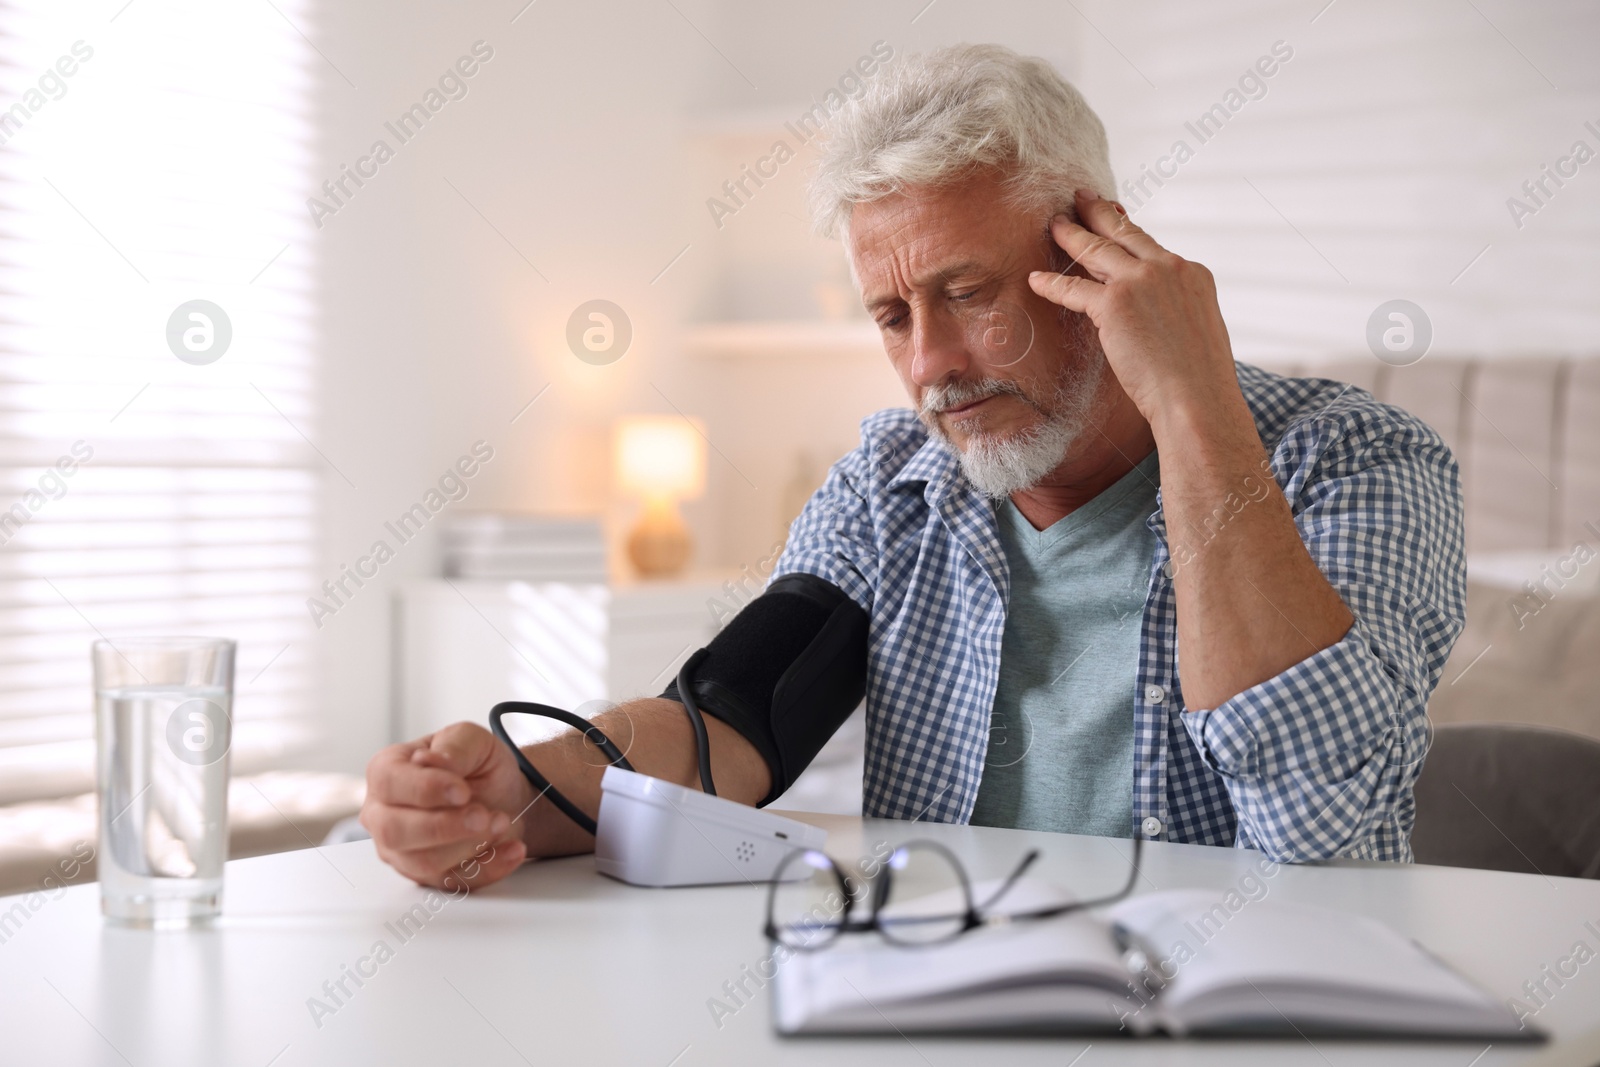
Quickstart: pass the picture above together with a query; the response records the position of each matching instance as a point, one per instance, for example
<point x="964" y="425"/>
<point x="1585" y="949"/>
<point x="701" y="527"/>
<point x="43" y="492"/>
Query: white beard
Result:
<point x="999" y="465"/>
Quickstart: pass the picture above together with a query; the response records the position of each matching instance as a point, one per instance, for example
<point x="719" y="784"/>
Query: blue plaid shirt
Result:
<point x="1316" y="762"/>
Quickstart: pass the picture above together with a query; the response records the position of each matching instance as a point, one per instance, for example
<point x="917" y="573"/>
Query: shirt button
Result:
<point x="1151" y="827"/>
<point x="1154" y="694"/>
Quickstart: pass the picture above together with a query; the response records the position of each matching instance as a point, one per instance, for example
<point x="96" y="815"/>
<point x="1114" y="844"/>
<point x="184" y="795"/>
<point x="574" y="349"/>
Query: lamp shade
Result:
<point x="660" y="457"/>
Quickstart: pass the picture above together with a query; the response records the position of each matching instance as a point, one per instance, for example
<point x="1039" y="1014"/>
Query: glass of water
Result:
<point x="163" y="711"/>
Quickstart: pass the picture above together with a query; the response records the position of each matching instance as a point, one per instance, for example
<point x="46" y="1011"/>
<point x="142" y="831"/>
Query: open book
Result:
<point x="1268" y="968"/>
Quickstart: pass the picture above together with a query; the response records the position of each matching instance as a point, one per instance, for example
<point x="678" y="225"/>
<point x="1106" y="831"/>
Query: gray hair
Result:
<point x="932" y="118"/>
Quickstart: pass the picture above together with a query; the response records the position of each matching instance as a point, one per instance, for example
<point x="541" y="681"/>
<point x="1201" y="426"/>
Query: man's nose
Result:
<point x="939" y="349"/>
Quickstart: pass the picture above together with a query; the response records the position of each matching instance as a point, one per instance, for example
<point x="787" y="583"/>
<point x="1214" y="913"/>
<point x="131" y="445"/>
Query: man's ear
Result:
<point x="1057" y="259"/>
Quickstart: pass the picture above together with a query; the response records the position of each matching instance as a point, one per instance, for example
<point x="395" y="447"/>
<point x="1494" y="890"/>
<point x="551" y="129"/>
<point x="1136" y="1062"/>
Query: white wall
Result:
<point x="1391" y="141"/>
<point x="437" y="326"/>
<point x="594" y="136"/>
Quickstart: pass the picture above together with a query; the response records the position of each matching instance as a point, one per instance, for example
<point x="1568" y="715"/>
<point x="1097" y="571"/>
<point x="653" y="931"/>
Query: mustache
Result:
<point x="944" y="396"/>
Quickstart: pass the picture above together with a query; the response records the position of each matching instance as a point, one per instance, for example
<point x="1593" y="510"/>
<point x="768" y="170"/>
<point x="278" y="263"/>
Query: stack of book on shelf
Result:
<point x="533" y="548"/>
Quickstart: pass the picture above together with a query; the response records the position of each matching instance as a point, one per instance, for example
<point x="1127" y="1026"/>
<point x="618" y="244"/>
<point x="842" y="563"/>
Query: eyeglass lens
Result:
<point x="808" y="912"/>
<point x="923" y="896"/>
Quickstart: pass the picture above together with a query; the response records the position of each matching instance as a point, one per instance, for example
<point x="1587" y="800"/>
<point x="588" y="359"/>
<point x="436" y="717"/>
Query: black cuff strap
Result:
<point x="786" y="672"/>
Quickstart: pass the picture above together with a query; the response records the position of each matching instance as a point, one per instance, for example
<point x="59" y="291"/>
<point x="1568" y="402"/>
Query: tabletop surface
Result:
<point x="559" y="965"/>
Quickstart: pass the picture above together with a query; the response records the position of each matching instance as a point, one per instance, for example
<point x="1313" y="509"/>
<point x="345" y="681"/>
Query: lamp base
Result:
<point x="659" y="545"/>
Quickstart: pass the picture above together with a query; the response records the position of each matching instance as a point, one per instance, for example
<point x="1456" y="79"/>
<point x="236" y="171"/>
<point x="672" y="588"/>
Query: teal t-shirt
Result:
<point x="1061" y="733"/>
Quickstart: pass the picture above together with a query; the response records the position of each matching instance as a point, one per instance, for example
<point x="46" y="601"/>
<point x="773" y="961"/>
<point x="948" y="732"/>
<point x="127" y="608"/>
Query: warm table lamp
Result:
<point x="660" y="459"/>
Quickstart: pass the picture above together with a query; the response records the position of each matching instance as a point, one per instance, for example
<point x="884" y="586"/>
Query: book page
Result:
<point x="859" y="968"/>
<point x="863" y="969"/>
<point x="1202" y="946"/>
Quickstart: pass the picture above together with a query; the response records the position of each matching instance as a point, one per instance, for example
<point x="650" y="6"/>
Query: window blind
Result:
<point x="150" y="155"/>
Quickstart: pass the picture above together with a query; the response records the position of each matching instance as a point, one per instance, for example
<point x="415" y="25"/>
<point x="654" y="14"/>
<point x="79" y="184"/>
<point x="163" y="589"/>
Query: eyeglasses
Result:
<point x="919" y="895"/>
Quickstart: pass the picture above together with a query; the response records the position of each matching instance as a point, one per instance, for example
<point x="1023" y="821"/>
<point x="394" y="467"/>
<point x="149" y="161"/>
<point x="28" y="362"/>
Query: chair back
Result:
<point x="1510" y="798"/>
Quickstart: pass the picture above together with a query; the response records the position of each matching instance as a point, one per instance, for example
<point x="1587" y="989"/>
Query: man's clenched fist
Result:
<point x="448" y="808"/>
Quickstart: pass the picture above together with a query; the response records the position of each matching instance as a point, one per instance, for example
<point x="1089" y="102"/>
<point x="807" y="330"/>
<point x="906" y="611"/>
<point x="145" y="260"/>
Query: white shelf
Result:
<point x="847" y="337"/>
<point x="464" y="645"/>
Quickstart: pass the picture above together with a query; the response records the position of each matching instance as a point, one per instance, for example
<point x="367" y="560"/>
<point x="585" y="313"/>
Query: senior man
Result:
<point x="1088" y="484"/>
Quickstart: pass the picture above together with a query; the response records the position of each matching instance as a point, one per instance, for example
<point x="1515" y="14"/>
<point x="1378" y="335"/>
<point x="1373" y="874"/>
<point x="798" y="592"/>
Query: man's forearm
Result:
<point x="1251" y="601"/>
<point x="657" y="739"/>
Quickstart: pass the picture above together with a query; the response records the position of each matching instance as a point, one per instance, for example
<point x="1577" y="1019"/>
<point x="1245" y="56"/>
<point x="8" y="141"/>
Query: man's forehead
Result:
<point x="879" y="284"/>
<point x="885" y="271"/>
<point x="928" y="241"/>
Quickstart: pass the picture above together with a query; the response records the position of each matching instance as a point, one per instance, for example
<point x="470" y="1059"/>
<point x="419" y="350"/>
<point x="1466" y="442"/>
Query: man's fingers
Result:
<point x="462" y="747"/>
<point x="392" y="778"/>
<point x="1070" y="291"/>
<point x="1110" y="220"/>
<point x="1102" y="257"/>
<point x="505" y="859"/>
<point x="487" y="863"/>
<point x="471" y="862"/>
<point x="413" y="829"/>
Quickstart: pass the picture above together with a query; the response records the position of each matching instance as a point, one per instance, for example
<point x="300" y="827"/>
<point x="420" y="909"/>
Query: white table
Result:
<point x="558" y="965"/>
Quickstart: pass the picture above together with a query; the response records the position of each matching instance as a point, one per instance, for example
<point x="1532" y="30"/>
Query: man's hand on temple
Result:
<point x="1253" y="603"/>
<point x="1156" y="313"/>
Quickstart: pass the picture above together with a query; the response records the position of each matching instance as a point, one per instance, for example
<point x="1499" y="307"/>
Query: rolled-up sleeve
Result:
<point x="1319" y="761"/>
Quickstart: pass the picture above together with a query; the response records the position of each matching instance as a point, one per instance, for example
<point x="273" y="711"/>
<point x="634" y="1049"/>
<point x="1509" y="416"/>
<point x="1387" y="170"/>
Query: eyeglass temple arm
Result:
<point x="1011" y="880"/>
<point x="1133" y="878"/>
<point x="1077" y="905"/>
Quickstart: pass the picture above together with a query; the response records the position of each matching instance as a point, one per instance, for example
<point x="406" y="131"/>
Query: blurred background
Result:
<point x="579" y="268"/>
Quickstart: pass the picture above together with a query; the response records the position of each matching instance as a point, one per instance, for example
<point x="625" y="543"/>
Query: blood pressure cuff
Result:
<point x="786" y="672"/>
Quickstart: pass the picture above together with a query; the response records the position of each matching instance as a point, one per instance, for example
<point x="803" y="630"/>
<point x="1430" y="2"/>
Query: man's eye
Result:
<point x="964" y="296"/>
<point x="889" y="322"/>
